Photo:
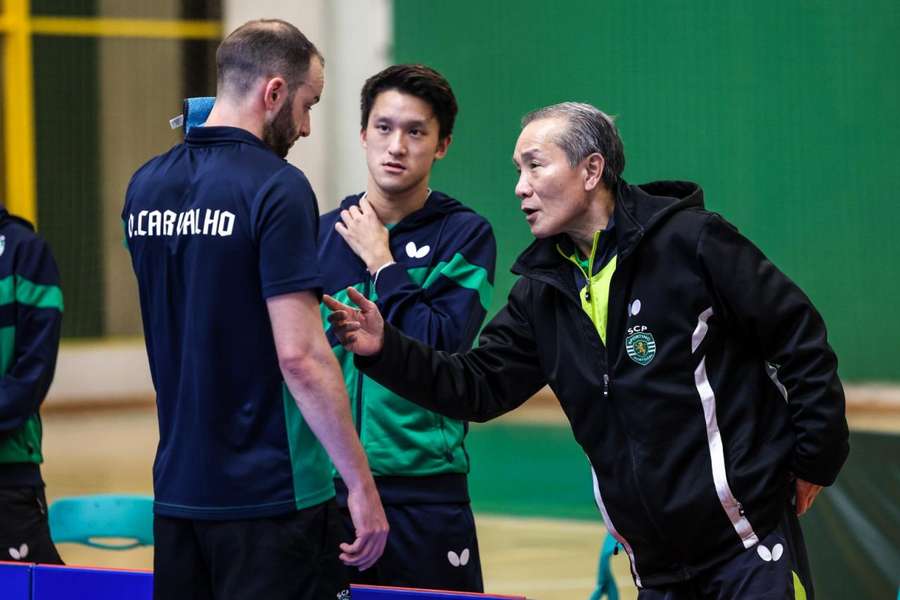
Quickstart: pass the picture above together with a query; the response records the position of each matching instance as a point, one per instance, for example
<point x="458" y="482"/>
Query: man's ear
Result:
<point x="362" y="137"/>
<point x="593" y="171"/>
<point x="275" y="94"/>
<point x="442" y="147"/>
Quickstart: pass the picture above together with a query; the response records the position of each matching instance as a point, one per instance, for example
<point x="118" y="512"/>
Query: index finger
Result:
<point x="333" y="304"/>
<point x="359" y="299"/>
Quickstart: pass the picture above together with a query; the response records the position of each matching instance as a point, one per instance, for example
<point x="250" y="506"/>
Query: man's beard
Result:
<point x="281" y="134"/>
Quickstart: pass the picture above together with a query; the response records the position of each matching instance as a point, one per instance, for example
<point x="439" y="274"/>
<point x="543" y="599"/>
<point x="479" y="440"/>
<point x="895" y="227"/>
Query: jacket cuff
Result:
<point x="390" y="278"/>
<point x="825" y="469"/>
<point x="381" y="361"/>
<point x="380" y="269"/>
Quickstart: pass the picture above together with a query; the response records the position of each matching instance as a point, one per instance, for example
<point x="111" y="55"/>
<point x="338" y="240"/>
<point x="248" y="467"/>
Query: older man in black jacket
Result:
<point x="696" y="376"/>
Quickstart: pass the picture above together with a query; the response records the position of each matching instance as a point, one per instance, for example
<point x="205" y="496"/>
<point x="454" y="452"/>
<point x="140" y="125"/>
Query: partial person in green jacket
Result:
<point x="428" y="261"/>
<point x="31" y="307"/>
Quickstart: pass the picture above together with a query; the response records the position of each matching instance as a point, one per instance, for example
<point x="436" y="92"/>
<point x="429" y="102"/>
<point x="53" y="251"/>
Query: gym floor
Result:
<point x="539" y="532"/>
<point x="549" y="558"/>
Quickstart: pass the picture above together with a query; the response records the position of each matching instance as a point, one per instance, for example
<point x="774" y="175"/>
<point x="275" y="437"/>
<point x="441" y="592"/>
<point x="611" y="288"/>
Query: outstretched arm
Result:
<point x="478" y="385"/>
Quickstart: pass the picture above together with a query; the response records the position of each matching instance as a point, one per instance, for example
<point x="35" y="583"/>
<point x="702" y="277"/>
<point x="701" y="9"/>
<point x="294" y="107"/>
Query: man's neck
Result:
<point x="600" y="210"/>
<point x="227" y="113"/>
<point x="392" y="208"/>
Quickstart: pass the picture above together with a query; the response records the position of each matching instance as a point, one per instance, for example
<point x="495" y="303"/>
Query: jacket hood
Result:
<point x="638" y="210"/>
<point x="436" y="206"/>
<point x="6" y="216"/>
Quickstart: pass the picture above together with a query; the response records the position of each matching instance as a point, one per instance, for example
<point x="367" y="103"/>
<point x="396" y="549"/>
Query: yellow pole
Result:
<point x="16" y="28"/>
<point x="127" y="28"/>
<point x="18" y="111"/>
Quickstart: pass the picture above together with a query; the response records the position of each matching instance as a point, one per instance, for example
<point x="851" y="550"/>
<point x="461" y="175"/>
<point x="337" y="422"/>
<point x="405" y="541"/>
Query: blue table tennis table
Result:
<point x="22" y="581"/>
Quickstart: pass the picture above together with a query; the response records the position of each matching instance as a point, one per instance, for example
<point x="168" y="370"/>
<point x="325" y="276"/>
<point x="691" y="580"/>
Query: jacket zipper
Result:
<point x="576" y="299"/>
<point x="447" y="454"/>
<point x="651" y="518"/>
<point x="359" y="375"/>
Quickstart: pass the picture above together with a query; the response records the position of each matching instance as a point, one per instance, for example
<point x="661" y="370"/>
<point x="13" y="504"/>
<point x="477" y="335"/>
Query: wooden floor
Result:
<point x="111" y="451"/>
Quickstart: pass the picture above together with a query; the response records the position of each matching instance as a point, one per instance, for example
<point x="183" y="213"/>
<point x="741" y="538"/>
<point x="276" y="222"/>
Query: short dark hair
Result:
<point x="416" y="80"/>
<point x="589" y="130"/>
<point x="263" y="48"/>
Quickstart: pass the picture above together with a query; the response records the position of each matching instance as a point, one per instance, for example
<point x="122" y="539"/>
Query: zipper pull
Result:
<point x="605" y="385"/>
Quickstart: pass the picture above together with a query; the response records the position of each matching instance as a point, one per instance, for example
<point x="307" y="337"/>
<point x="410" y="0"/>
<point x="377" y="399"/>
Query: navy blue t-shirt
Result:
<point x="216" y="226"/>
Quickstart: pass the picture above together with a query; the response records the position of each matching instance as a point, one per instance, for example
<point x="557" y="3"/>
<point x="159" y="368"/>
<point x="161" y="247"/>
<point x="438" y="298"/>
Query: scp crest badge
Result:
<point x="640" y="345"/>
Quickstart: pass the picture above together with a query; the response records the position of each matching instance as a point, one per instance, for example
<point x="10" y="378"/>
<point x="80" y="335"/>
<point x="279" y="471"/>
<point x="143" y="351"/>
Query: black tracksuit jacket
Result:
<point x="716" y="383"/>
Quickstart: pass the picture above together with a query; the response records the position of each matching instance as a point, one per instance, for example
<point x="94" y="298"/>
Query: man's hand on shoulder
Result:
<point x="366" y="235"/>
<point x="361" y="330"/>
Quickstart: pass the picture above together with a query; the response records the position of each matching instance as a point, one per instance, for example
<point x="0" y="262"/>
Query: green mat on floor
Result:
<point x="529" y="470"/>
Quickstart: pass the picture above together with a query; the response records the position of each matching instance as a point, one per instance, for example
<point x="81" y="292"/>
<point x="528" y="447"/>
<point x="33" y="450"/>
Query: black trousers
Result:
<point x="24" y="531"/>
<point x="776" y="568"/>
<point x="431" y="546"/>
<point x="289" y="557"/>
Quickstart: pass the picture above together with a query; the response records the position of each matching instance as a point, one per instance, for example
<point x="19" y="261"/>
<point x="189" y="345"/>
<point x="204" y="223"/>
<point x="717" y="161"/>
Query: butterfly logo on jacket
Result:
<point x="413" y="252"/>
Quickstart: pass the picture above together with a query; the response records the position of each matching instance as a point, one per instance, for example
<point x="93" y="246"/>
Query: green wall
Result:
<point x="67" y="140"/>
<point x="788" y="115"/>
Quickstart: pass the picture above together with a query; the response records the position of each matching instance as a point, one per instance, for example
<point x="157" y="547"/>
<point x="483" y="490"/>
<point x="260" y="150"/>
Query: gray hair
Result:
<point x="590" y="130"/>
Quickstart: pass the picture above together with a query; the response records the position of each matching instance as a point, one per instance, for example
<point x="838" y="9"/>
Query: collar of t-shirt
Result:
<point x="220" y="134"/>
